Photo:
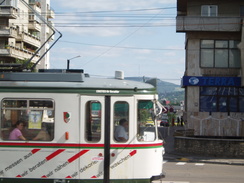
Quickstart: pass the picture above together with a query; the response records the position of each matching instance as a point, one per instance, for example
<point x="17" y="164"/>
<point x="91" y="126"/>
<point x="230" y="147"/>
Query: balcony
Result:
<point x="34" y="25"/>
<point x="8" y="32"/>
<point x="30" y="39"/>
<point x="18" y="53"/>
<point x="50" y="13"/>
<point x="221" y="24"/>
<point x="49" y="31"/>
<point x="8" y="12"/>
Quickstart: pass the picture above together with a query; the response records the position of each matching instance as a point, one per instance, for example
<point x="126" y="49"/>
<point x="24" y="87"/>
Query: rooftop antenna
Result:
<point x="24" y="66"/>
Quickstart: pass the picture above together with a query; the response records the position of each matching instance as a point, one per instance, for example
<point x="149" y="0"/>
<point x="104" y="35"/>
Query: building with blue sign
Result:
<point x="214" y="73"/>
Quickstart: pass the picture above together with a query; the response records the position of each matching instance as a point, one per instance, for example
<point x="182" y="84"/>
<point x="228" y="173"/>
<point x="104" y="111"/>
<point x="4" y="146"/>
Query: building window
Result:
<point x="242" y="11"/>
<point x="221" y="99"/>
<point x="27" y="119"/>
<point x="220" y="54"/>
<point x="209" y="10"/>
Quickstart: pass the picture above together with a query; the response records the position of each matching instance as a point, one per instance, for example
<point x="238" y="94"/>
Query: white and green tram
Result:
<point x="77" y="116"/>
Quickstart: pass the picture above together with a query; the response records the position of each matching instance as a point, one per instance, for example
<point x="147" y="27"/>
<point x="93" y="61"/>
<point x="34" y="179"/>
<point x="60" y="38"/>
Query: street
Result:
<point x="188" y="172"/>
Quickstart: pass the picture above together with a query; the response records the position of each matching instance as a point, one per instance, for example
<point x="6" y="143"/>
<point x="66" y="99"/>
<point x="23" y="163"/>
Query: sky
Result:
<point x="103" y="36"/>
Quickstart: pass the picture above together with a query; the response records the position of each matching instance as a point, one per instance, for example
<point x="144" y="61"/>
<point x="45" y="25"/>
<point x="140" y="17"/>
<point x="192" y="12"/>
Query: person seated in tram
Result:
<point x="16" y="133"/>
<point x="121" y="134"/>
<point x="43" y="135"/>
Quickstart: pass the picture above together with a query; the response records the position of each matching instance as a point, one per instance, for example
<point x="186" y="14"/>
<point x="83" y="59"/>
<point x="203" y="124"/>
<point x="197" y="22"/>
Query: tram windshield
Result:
<point x="146" y="130"/>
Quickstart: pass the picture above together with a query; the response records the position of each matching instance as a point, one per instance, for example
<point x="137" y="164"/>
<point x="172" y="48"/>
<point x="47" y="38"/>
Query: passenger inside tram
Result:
<point x="121" y="134"/>
<point x="43" y="134"/>
<point x="16" y="133"/>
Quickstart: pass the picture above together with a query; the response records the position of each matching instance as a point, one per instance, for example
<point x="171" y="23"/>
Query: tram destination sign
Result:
<point x="210" y="81"/>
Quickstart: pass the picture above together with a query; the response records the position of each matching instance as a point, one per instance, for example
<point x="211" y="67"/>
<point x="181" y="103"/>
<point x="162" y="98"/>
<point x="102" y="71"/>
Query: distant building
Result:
<point x="22" y="32"/>
<point x="214" y="75"/>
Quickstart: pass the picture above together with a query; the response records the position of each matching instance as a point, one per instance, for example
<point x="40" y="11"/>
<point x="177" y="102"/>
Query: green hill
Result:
<point x="166" y="90"/>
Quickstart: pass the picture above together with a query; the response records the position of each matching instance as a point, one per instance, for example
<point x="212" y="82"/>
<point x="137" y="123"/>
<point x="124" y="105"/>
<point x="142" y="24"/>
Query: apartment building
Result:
<point x="214" y="66"/>
<point x="22" y="32"/>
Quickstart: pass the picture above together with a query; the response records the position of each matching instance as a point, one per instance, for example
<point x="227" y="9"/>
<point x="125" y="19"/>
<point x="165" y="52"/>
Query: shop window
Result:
<point x="221" y="99"/>
<point x="220" y="54"/>
<point x="146" y="130"/>
<point x="242" y="11"/>
<point x="121" y="121"/>
<point x="241" y="104"/>
<point x="209" y="10"/>
<point x="93" y="121"/>
<point x="241" y="99"/>
<point x="234" y="104"/>
<point x="27" y="119"/>
<point x="208" y="104"/>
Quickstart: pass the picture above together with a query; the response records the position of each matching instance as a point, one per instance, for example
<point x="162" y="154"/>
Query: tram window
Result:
<point x="121" y="123"/>
<point x="146" y="130"/>
<point x="35" y="122"/>
<point x="93" y="121"/>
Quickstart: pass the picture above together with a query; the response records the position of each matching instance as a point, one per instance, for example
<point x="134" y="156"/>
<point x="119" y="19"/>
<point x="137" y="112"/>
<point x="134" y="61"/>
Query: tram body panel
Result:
<point x="148" y="162"/>
<point x="39" y="165"/>
<point x="45" y="158"/>
<point x="77" y="150"/>
<point x="122" y="164"/>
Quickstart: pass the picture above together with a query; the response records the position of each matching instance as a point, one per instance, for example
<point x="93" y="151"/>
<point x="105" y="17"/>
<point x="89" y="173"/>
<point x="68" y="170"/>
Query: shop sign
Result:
<point x="210" y="81"/>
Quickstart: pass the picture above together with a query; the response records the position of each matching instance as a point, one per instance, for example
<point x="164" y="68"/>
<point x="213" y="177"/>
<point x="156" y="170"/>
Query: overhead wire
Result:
<point x="122" y="40"/>
<point x="115" y="11"/>
<point x="124" y="47"/>
<point x="106" y="19"/>
<point x="2" y="2"/>
<point x="113" y="18"/>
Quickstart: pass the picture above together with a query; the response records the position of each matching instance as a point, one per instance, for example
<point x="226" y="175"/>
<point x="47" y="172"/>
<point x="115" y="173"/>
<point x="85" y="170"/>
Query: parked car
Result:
<point x="150" y="123"/>
<point x="164" y="122"/>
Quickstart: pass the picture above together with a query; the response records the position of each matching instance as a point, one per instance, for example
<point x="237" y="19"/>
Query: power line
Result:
<point x="128" y="36"/>
<point x="110" y="26"/>
<point x="96" y="25"/>
<point x="116" y="11"/>
<point x="124" y="47"/>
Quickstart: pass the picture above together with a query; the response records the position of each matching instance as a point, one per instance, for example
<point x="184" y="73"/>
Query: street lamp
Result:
<point x="68" y="61"/>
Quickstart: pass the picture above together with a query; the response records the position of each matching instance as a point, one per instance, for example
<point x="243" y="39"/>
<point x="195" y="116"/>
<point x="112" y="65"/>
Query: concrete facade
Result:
<point x="22" y="32"/>
<point x="224" y="24"/>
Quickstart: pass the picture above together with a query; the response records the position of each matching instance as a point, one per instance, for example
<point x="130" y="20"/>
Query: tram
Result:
<point x="68" y="121"/>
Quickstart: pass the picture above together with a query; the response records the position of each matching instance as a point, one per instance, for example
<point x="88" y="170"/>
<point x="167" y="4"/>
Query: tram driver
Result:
<point x="120" y="133"/>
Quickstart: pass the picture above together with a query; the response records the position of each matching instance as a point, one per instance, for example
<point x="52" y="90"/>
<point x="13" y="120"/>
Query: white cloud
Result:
<point x="78" y="16"/>
<point x="102" y="60"/>
<point x="99" y="5"/>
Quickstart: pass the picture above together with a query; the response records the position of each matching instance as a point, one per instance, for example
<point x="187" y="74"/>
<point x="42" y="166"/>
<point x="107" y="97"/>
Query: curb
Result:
<point x="175" y="158"/>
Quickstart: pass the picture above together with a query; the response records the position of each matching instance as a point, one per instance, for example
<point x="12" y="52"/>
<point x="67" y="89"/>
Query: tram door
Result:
<point x="121" y="135"/>
<point x="92" y="135"/>
<point x="102" y="116"/>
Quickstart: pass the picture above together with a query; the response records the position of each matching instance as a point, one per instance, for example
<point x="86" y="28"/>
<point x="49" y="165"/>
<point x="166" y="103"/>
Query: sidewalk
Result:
<point x="198" y="159"/>
<point x="170" y="155"/>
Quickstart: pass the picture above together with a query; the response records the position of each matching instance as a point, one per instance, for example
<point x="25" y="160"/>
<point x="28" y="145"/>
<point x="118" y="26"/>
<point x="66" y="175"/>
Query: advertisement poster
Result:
<point x="35" y="120"/>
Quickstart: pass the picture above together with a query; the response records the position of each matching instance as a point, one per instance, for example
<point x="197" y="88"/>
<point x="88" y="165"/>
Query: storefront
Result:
<point x="214" y="105"/>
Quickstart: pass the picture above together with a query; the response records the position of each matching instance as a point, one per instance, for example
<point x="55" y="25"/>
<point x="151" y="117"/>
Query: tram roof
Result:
<point x="66" y="80"/>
